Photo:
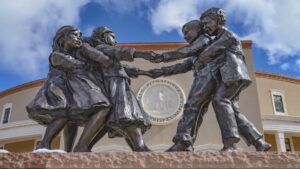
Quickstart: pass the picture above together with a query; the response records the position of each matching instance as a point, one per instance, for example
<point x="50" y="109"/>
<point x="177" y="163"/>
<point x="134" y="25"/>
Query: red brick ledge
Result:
<point x="155" y="160"/>
<point x="279" y="77"/>
<point x="246" y="44"/>
<point x="22" y="87"/>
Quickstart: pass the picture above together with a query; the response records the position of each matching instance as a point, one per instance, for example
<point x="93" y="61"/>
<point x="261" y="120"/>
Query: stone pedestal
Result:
<point x="154" y="160"/>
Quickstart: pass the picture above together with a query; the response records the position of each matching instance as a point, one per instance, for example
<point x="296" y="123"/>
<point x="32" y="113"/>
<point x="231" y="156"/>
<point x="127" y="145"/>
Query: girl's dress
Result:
<point x="71" y="89"/>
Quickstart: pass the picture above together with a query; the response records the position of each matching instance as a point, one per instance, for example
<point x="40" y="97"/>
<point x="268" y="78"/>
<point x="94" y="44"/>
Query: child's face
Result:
<point x="189" y="33"/>
<point x="73" y="40"/>
<point x="110" y="38"/>
<point x="210" y="25"/>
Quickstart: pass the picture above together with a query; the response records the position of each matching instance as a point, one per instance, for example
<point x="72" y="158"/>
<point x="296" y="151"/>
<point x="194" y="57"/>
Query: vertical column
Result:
<point x="280" y="142"/>
<point x="61" y="141"/>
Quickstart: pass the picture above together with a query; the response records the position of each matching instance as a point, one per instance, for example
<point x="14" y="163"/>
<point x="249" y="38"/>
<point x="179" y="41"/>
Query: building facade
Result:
<point x="280" y="110"/>
<point x="270" y="103"/>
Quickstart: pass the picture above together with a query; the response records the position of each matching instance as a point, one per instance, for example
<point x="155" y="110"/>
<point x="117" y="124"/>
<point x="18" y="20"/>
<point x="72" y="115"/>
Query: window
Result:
<point x="278" y="101"/>
<point x="6" y="113"/>
<point x="288" y="145"/>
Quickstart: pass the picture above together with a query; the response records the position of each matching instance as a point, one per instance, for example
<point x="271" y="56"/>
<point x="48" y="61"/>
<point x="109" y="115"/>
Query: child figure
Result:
<point x="127" y="116"/>
<point x="71" y="93"/>
<point x="105" y="37"/>
<point x="197" y="105"/>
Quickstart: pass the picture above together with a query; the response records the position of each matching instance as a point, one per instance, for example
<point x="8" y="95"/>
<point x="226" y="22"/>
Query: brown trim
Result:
<point x="154" y="46"/>
<point x="39" y="82"/>
<point x="278" y="77"/>
<point x="21" y="87"/>
<point x="168" y="45"/>
<point x="247" y="44"/>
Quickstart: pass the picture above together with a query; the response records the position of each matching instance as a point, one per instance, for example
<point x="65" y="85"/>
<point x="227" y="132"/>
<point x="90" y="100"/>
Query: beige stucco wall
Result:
<point x="290" y="90"/>
<point x="19" y="100"/>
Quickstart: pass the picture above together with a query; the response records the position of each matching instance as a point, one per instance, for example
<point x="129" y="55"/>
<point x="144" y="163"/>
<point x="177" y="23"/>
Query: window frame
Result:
<point x="290" y="137"/>
<point x="290" y="143"/>
<point x="279" y="93"/>
<point x="5" y="106"/>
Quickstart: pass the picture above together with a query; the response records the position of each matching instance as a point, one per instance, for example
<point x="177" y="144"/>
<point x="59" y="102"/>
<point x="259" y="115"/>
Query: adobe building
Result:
<point x="271" y="103"/>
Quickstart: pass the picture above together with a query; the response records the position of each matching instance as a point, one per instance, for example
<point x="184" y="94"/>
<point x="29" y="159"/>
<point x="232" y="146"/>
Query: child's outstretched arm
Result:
<point x="178" y="68"/>
<point x="147" y="55"/>
<point x="188" y="50"/>
<point x="95" y="55"/>
<point x="198" y="45"/>
<point x="63" y="61"/>
<point x="132" y="72"/>
<point x="119" y="53"/>
<point x="125" y="53"/>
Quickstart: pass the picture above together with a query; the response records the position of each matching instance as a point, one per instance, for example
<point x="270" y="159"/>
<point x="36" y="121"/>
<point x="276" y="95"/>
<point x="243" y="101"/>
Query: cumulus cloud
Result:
<point x="170" y="15"/>
<point x="285" y="66"/>
<point x="298" y="64"/>
<point x="271" y="24"/>
<point x="27" y="28"/>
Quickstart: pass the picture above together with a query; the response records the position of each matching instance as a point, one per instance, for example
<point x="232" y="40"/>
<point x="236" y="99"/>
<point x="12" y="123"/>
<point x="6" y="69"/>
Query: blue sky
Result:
<point x="27" y="30"/>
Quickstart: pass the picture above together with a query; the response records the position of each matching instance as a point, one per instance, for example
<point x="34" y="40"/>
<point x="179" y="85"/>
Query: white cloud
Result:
<point x="27" y="28"/>
<point x="285" y="66"/>
<point x="272" y="24"/>
<point x="298" y="64"/>
<point x="172" y="14"/>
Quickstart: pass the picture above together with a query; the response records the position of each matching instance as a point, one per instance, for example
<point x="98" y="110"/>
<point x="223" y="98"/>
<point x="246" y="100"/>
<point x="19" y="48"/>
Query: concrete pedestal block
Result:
<point x="153" y="160"/>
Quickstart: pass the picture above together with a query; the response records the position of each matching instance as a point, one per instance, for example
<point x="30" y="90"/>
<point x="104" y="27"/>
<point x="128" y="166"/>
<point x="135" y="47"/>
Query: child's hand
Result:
<point x="157" y="58"/>
<point x="155" y="73"/>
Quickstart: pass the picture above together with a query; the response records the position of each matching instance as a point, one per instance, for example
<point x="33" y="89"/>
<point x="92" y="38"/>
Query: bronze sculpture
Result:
<point x="127" y="116"/>
<point x="70" y="92"/>
<point x="212" y="82"/>
<point x="103" y="39"/>
<point x="87" y="85"/>
<point x="65" y="97"/>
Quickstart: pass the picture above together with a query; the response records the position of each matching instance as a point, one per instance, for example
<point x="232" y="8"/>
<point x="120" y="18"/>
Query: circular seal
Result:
<point x="162" y="100"/>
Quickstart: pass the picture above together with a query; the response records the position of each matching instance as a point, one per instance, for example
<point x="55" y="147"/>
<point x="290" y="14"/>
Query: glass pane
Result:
<point x="278" y="103"/>
<point x="6" y="115"/>
<point x="288" y="144"/>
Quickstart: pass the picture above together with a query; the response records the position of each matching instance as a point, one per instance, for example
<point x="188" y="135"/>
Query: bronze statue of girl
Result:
<point x="71" y="93"/>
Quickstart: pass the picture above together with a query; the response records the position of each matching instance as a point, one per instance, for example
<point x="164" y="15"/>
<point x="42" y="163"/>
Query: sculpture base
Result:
<point x="153" y="160"/>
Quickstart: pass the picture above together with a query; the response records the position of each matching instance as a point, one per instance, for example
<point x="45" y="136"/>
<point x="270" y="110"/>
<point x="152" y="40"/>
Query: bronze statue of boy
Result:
<point x="220" y="75"/>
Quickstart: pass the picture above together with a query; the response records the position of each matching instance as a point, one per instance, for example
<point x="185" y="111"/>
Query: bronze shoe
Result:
<point x="262" y="145"/>
<point x="180" y="147"/>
